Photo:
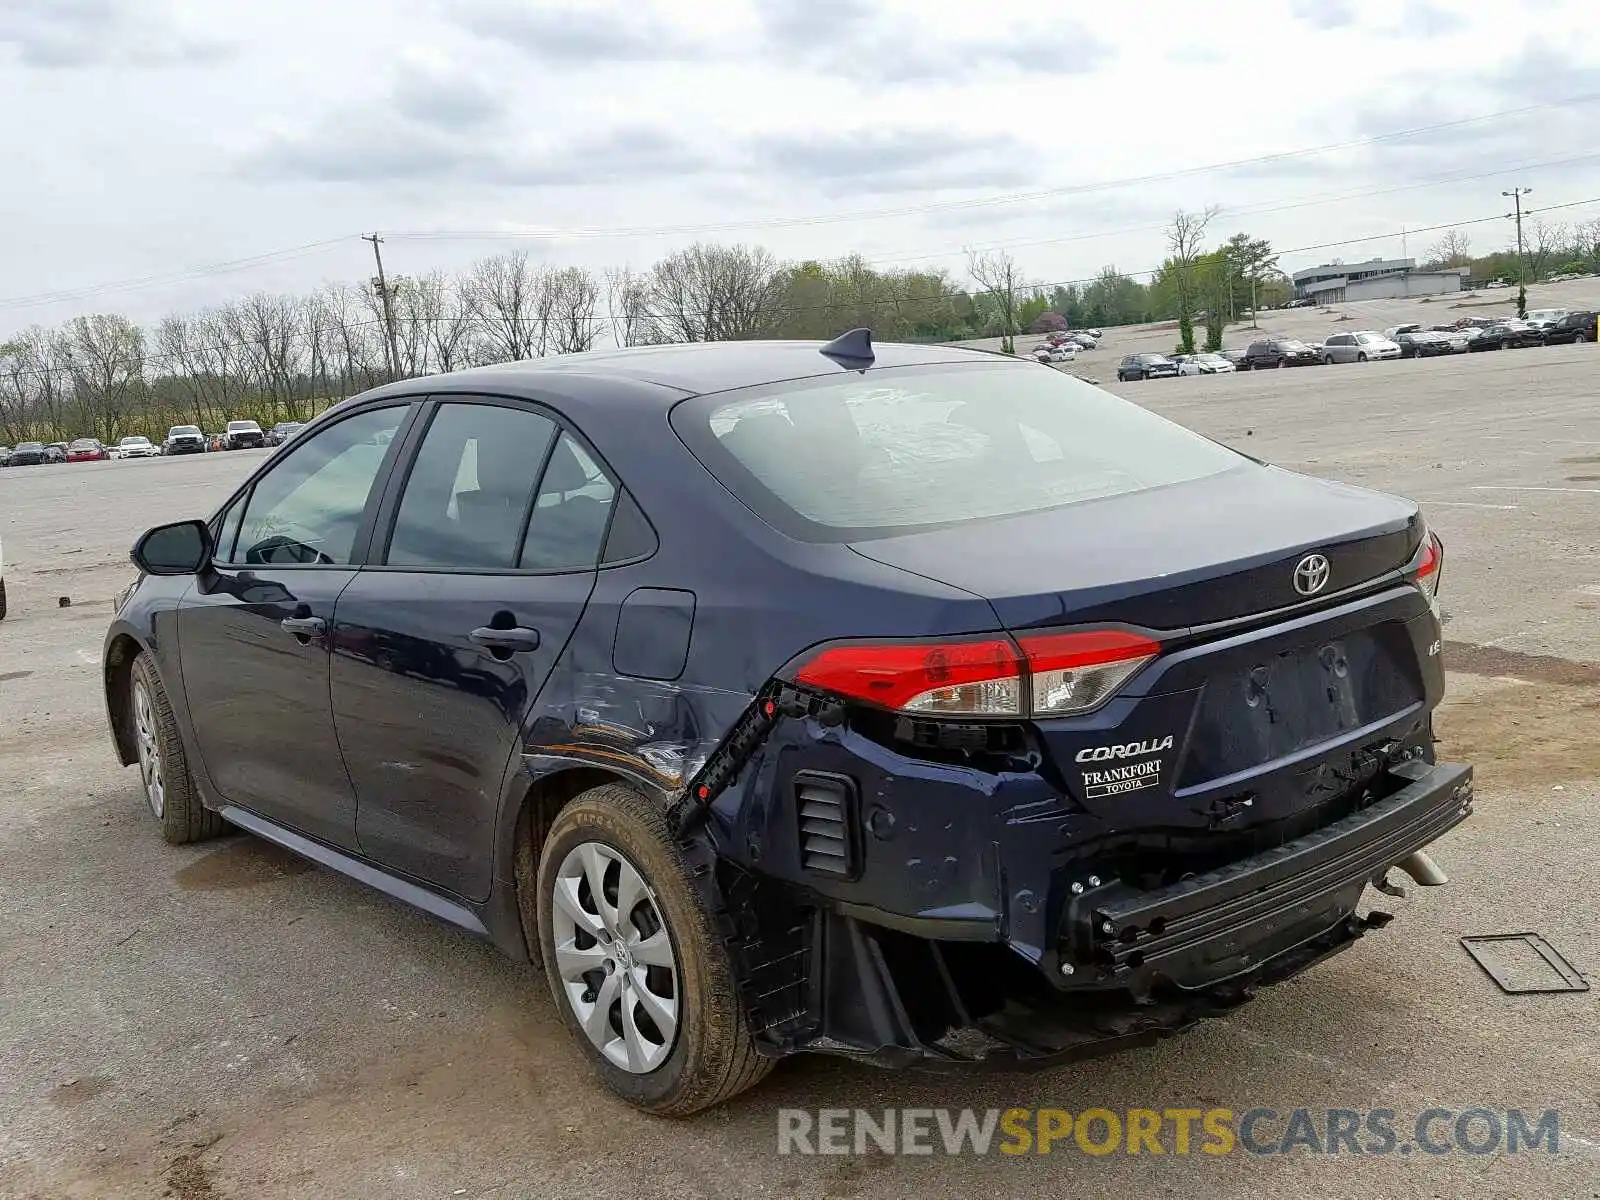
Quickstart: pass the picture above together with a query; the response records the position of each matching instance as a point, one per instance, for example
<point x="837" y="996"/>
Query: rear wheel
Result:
<point x="2" y="599"/>
<point x="1361" y="357"/>
<point x="638" y="971"/>
<point x="163" y="766"/>
<point x="1282" y="363"/>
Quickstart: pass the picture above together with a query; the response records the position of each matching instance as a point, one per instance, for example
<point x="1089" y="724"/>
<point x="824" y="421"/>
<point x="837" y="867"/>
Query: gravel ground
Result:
<point x="227" y="1021"/>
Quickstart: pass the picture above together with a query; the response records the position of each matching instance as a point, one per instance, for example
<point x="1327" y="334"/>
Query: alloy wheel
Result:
<point x="144" y="723"/>
<point x="614" y="957"/>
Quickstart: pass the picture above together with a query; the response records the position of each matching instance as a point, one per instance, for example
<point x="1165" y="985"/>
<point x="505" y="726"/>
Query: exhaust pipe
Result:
<point x="1421" y="867"/>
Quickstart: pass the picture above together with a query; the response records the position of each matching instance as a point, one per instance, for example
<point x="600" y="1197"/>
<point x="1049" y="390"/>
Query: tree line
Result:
<point x="276" y="357"/>
<point x="286" y="357"/>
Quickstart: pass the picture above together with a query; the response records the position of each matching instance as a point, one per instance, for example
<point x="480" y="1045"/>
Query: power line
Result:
<point x="1263" y="208"/>
<point x="190" y="273"/>
<point x="303" y="336"/>
<point x="1000" y="199"/>
<point x="225" y="267"/>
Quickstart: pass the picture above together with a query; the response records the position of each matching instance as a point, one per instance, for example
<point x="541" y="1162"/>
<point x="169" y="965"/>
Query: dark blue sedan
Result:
<point x="915" y="704"/>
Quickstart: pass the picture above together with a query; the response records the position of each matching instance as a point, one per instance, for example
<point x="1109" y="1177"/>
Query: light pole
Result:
<point x="1516" y="195"/>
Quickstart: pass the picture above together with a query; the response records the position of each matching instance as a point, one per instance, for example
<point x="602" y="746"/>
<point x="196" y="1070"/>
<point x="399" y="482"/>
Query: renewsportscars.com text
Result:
<point x="1179" y="1131"/>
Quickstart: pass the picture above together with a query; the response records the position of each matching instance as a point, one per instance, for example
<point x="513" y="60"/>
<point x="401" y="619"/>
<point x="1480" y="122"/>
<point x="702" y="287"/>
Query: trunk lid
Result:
<point x="1193" y="554"/>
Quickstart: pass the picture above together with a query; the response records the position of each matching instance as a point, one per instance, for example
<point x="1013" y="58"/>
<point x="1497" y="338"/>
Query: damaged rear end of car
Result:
<point x="1150" y="763"/>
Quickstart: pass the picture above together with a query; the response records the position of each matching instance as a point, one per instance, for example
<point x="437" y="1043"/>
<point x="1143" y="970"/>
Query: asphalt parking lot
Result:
<point x="227" y="1021"/>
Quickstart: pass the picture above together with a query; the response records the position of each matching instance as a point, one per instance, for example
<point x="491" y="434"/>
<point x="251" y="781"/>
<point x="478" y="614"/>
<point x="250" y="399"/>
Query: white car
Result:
<point x="1204" y="363"/>
<point x="1065" y="352"/>
<point x="134" y="447"/>
<point x="1543" y="318"/>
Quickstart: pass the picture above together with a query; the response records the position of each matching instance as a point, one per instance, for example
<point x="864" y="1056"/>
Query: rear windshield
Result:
<point x="861" y="456"/>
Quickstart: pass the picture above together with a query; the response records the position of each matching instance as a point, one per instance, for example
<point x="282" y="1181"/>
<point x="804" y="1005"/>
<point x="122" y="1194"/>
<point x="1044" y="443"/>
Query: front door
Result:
<point x="253" y="633"/>
<point x="444" y="644"/>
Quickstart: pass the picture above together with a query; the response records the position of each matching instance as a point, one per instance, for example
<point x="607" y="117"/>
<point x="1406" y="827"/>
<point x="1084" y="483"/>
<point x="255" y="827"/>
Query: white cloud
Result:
<point x="163" y="134"/>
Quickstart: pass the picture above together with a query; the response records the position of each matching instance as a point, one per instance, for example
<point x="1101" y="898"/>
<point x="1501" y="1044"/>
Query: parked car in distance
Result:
<point x="1085" y="340"/>
<point x="1280" y="352"/>
<point x="1574" y="327"/>
<point x="1070" y="724"/>
<point x="1394" y="331"/>
<point x="87" y="450"/>
<point x="5" y="456"/>
<point x="1361" y="346"/>
<point x="1236" y="357"/>
<point x="1543" y="318"/>
<point x="1204" y="363"/>
<point x="1507" y="335"/>
<point x="283" y="431"/>
<point x="29" y="454"/>
<point x="184" y="439"/>
<point x="135" y="446"/>
<point x="56" y="452"/>
<point x="1146" y="366"/>
<point x="243" y="435"/>
<point x="1063" y="352"/>
<point x="1428" y="343"/>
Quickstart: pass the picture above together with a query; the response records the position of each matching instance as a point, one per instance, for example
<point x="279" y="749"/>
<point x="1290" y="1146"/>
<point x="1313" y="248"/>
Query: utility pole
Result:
<point x="392" y="349"/>
<point x="1516" y="195"/>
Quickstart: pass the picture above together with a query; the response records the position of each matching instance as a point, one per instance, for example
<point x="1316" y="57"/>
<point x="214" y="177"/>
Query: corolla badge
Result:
<point x="1311" y="574"/>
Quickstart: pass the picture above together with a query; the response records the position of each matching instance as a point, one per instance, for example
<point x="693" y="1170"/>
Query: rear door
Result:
<point x="253" y="631"/>
<point x="484" y="564"/>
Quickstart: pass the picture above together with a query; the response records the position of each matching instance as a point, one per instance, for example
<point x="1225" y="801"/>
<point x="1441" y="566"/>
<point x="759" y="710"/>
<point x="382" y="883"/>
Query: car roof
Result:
<point x="660" y="376"/>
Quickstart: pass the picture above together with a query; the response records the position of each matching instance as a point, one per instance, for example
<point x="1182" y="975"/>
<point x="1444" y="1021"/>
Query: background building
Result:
<point x="1375" y="279"/>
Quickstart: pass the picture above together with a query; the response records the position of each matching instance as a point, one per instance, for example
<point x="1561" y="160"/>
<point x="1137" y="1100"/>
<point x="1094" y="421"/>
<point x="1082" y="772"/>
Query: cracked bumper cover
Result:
<point x="818" y="975"/>
<point x="1216" y="925"/>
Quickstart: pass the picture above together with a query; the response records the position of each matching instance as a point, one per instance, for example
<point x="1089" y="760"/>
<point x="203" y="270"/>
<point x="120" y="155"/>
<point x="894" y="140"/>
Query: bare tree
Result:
<point x="105" y="357"/>
<point x="1185" y="237"/>
<point x="998" y="276"/>
<point x="1542" y="242"/>
<point x="504" y="293"/>
<point x="34" y="382"/>
<point x="628" y="306"/>
<point x="711" y="293"/>
<point x="574" y="300"/>
<point x="1454" y="249"/>
<point x="1586" y="242"/>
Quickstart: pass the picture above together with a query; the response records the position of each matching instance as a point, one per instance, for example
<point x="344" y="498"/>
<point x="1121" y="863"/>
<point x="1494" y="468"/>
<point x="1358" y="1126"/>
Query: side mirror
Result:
<point x="182" y="548"/>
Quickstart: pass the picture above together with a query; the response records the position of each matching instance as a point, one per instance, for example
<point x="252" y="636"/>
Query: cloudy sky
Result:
<point x="159" y="154"/>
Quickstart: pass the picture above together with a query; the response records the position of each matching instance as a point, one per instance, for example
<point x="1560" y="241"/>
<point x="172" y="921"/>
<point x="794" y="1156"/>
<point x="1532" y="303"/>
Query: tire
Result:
<point x="2" y="599"/>
<point x="1282" y="363"/>
<point x="163" y="766"/>
<point x="1326" y="361"/>
<point x="710" y="1055"/>
<point x="1361" y="358"/>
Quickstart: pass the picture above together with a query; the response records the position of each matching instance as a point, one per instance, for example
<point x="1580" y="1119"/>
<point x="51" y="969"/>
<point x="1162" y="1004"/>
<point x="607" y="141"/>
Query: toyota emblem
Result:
<point x="1311" y="574"/>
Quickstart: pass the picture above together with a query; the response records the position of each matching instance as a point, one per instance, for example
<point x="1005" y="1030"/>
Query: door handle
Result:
<point x="304" y="627"/>
<point x="515" y="639"/>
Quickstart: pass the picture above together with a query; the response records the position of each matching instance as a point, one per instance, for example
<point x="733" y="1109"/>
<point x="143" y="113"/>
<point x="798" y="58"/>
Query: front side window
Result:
<point x="308" y="507"/>
<point x="468" y="491"/>
<point x="910" y="448"/>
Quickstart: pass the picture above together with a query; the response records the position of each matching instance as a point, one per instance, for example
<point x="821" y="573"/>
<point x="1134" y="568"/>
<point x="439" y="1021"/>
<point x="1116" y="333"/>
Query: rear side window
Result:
<point x="861" y="456"/>
<point x="568" y="524"/>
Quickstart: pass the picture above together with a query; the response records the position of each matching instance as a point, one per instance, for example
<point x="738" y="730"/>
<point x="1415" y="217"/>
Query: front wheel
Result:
<point x="1361" y="358"/>
<point x="635" y="963"/>
<point x="1282" y="363"/>
<point x="169" y="788"/>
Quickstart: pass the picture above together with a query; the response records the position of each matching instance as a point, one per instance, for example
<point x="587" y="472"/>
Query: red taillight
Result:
<point x="977" y="678"/>
<point x="1426" y="573"/>
<point x="1048" y="674"/>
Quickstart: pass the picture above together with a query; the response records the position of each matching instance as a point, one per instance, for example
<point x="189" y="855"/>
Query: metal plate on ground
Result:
<point x="1524" y="963"/>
